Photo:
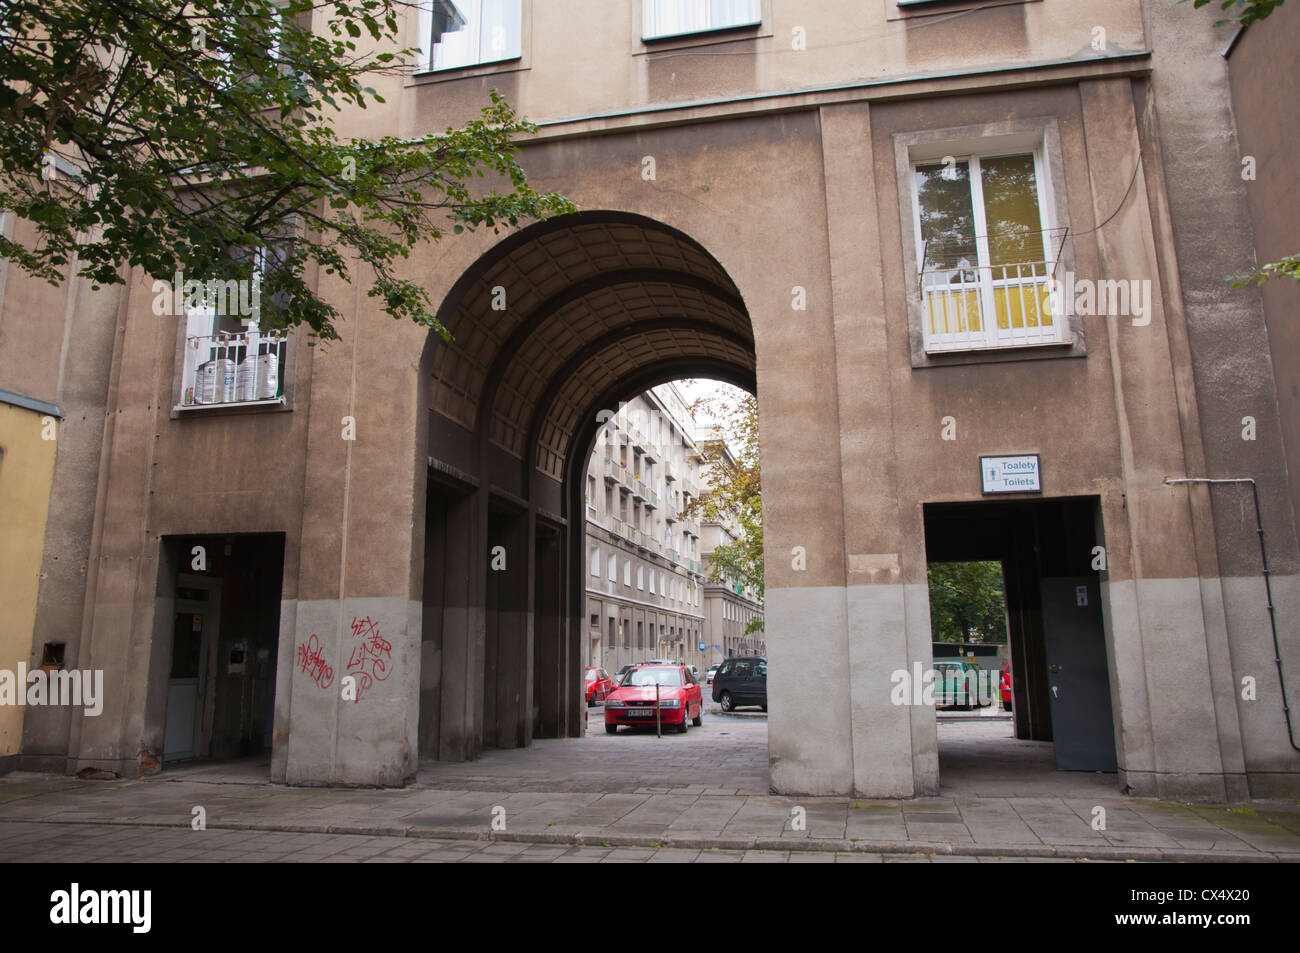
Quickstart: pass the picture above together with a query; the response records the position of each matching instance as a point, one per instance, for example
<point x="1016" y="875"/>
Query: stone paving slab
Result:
<point x="665" y="795"/>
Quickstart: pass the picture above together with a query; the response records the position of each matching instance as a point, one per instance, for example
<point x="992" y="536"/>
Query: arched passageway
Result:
<point x="552" y="325"/>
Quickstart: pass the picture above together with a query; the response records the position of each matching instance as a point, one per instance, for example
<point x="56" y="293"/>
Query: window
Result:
<point x="652" y="582"/>
<point x="228" y="359"/>
<point x="627" y="572"/>
<point x="986" y="250"/>
<point x="663" y="18"/>
<point x="640" y="577"/>
<point x="595" y="562"/>
<point x="613" y="568"/>
<point x="459" y="33"/>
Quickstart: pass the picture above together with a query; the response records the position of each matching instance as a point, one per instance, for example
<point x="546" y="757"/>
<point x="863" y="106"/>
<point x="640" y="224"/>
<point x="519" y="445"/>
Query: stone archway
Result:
<point x="548" y="327"/>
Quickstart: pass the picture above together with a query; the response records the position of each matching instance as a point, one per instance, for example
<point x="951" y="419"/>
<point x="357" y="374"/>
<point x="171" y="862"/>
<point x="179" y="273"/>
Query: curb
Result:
<point x="799" y="845"/>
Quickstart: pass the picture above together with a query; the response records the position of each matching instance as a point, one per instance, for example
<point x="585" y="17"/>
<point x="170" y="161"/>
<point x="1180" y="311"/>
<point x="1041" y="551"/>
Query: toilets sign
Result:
<point x="1017" y="474"/>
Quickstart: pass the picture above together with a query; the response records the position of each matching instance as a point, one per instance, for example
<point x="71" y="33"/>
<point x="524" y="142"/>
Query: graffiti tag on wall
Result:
<point x="371" y="657"/>
<point x="311" y="661"/>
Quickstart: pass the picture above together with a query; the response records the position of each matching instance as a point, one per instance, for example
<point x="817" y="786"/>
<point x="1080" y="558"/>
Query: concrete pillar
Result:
<point x="1167" y="741"/>
<point x="347" y="711"/>
<point x="549" y="676"/>
<point x="507" y="658"/>
<point x="461" y="719"/>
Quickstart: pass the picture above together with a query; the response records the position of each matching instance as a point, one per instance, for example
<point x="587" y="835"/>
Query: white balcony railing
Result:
<point x="989" y="306"/>
<point x="241" y="368"/>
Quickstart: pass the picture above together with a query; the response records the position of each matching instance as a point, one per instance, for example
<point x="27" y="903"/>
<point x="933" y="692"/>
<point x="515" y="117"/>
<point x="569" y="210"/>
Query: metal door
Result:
<point x="1078" y="680"/>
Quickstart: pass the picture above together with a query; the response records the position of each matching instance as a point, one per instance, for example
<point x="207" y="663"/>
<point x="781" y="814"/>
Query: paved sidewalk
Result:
<point x="610" y="792"/>
<point x="85" y="843"/>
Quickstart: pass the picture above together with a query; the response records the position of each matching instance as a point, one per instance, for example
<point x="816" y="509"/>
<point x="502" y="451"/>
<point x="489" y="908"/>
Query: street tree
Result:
<point x="734" y="495"/>
<point x="967" y="602"/>
<point x="198" y="138"/>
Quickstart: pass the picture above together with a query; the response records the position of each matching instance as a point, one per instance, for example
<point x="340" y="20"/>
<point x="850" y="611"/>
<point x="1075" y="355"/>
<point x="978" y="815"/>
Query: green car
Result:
<point x="957" y="684"/>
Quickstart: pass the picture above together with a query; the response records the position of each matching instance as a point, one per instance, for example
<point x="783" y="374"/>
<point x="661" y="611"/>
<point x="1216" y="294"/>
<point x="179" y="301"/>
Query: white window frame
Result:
<point x="640" y="578"/>
<point x="426" y="45"/>
<point x="595" y="561"/>
<point x="1039" y="137"/>
<point x="658" y="24"/>
<point x="613" y="567"/>
<point x="986" y="276"/>
<point x="627" y="573"/>
<point x="203" y="344"/>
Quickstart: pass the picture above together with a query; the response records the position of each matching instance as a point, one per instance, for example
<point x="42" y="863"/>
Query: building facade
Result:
<point x="644" y="572"/>
<point x="969" y="256"/>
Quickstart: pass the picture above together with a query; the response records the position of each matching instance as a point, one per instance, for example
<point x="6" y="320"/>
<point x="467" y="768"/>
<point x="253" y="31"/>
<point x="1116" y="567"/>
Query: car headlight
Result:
<point x="614" y="703"/>
<point x="670" y="703"/>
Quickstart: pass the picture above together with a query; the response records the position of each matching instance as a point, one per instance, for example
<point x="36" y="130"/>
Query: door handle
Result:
<point x="1054" y="692"/>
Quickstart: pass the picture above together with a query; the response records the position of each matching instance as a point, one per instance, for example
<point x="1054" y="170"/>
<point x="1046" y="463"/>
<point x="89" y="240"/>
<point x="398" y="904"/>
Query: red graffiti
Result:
<point x="371" y="658"/>
<point x="311" y="661"/>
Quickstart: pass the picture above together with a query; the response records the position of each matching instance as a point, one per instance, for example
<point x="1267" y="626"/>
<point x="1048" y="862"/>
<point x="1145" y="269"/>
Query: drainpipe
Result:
<point x="1268" y="590"/>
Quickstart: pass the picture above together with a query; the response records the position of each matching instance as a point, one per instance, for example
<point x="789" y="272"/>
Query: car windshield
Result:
<point x="671" y="677"/>
<point x="591" y="674"/>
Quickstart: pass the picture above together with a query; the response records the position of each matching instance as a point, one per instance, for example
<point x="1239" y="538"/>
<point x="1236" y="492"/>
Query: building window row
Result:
<point x="455" y="34"/>
<point x="675" y="589"/>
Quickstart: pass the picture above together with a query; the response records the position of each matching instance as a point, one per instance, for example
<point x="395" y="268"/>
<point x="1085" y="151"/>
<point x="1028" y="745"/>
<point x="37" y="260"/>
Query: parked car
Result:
<point x="633" y="702"/>
<point x="956" y="684"/>
<point x="599" y="685"/>
<point x="741" y="680"/>
<point x="618" y="679"/>
<point x="1006" y="687"/>
<point x="708" y="675"/>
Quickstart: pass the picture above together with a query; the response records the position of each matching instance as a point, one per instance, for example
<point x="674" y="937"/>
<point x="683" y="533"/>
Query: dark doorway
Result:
<point x="219" y="605"/>
<point x="1060" y="674"/>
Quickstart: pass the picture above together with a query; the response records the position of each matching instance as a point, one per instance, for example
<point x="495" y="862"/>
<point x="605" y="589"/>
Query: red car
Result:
<point x="1006" y="687"/>
<point x="633" y="702"/>
<point x="599" y="685"/>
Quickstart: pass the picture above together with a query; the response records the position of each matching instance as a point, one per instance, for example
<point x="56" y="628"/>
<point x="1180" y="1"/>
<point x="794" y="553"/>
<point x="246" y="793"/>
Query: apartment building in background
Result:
<point x="644" y="572"/>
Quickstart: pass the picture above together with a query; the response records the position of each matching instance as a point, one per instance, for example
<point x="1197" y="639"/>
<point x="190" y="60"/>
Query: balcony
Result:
<point x="229" y="370"/>
<point x="651" y="499"/>
<point x="652" y="454"/>
<point x="989" y="306"/>
<point x="612" y="470"/>
<point x="670" y="474"/>
<point x="638" y="489"/>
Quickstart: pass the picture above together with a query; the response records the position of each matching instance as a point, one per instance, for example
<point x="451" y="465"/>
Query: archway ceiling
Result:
<point x="587" y="304"/>
<point x="602" y="371"/>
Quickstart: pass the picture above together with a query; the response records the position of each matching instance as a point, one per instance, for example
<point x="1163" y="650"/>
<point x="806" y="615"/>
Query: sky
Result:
<point x="701" y="387"/>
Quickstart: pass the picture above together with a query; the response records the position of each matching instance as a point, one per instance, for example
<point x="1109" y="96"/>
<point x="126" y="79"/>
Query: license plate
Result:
<point x="640" y="712"/>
